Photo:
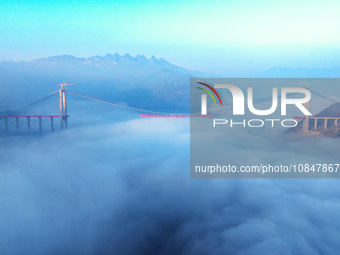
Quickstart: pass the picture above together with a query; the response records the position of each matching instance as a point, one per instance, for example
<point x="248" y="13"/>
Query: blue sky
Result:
<point x="211" y="36"/>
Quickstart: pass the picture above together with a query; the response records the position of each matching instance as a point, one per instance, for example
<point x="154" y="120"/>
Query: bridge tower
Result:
<point x="305" y="124"/>
<point x="63" y="105"/>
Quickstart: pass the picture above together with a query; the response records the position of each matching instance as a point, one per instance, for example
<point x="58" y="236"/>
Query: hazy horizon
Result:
<point x="116" y="183"/>
<point x="222" y="37"/>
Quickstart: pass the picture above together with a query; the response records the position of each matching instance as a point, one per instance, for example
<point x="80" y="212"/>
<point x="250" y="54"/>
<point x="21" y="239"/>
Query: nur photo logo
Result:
<point x="243" y="102"/>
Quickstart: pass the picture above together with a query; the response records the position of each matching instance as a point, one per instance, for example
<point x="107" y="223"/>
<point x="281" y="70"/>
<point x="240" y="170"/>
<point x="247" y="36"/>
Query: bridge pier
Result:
<point x="40" y="126"/>
<point x="315" y="124"/>
<point x="305" y="124"/>
<point x="5" y="125"/>
<point x="28" y="123"/>
<point x="17" y="124"/>
<point x="51" y="124"/>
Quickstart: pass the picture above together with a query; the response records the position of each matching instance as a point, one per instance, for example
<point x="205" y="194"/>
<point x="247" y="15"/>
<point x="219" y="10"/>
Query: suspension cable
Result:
<point x="118" y="105"/>
<point x="36" y="102"/>
<point x="261" y="100"/>
<point x="330" y="99"/>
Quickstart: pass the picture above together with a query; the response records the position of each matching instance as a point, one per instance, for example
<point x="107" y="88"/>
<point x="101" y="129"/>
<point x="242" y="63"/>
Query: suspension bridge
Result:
<point x="63" y="116"/>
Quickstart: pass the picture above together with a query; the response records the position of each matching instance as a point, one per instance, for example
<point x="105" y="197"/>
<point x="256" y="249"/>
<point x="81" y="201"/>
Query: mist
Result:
<point x="124" y="188"/>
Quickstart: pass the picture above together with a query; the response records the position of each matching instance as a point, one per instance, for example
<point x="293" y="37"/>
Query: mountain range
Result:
<point x="136" y="81"/>
<point x="151" y="84"/>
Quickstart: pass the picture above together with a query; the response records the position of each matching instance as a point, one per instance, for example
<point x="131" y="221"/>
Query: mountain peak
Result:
<point x="104" y="62"/>
<point x="153" y="58"/>
<point x="331" y="111"/>
<point x="127" y="55"/>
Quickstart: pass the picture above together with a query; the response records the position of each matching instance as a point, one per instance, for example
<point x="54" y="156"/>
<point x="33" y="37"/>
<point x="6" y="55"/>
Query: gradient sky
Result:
<point x="211" y="36"/>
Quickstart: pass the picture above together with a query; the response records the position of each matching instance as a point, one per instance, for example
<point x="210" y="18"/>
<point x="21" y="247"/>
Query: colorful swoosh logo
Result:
<point x="209" y="93"/>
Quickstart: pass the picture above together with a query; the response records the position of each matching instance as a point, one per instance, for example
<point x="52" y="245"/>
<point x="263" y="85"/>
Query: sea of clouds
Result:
<point x="124" y="188"/>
